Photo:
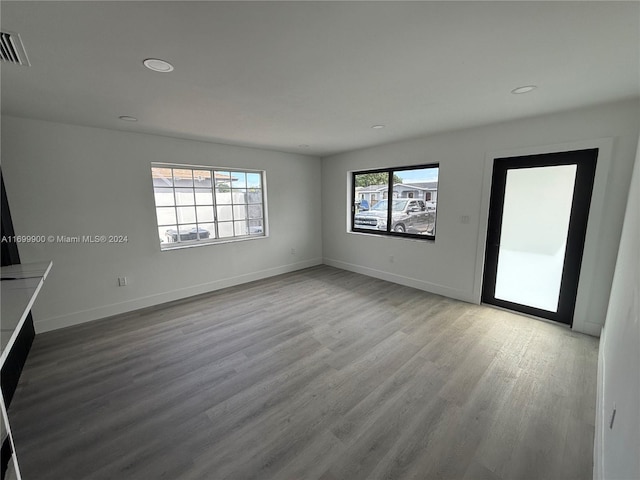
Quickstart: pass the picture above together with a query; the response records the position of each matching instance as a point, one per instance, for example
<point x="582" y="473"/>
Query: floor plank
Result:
<point x="316" y="374"/>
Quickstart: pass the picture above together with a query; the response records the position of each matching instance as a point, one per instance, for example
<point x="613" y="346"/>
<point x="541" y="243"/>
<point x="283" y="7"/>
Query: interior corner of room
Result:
<point x="265" y="115"/>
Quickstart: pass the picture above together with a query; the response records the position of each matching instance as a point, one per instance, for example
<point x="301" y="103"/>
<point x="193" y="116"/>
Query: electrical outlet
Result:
<point x="391" y="259"/>
<point x="464" y="219"/>
<point x="122" y="281"/>
<point x="293" y="251"/>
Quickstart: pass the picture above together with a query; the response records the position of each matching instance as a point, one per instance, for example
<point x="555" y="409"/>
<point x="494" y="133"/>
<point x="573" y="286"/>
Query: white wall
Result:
<point x="616" y="449"/>
<point x="452" y="265"/>
<point x="71" y="180"/>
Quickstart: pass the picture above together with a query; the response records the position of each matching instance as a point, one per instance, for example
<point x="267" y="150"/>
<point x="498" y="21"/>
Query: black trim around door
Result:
<point x="585" y="161"/>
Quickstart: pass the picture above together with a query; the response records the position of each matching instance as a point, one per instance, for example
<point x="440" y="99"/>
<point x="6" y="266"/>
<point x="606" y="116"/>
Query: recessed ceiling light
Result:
<point x="524" y="89"/>
<point x="158" y="65"/>
<point x="128" y="118"/>
<point x="377" y="127"/>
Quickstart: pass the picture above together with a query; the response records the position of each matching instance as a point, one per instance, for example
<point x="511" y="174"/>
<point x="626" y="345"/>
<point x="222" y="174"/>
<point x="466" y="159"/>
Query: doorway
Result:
<point x="537" y="224"/>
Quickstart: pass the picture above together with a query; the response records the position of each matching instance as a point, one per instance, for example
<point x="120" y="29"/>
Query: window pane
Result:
<point x="241" y="228"/>
<point x="530" y="265"/>
<point x="207" y="230"/>
<point x="166" y="234"/>
<point x="239" y="212"/>
<point x="254" y="196"/>
<point x="369" y="203"/>
<point x="256" y="227"/>
<point x="187" y="232"/>
<point x="223" y="178"/>
<point x="225" y="229"/>
<point x="204" y="196"/>
<point x="254" y="180"/>
<point x="224" y="213"/>
<point x="415" y="183"/>
<point x="205" y="214"/>
<point x="223" y="195"/>
<point x="203" y="233"/>
<point x="184" y="196"/>
<point x="162" y="177"/>
<point x="255" y="211"/>
<point x="170" y="233"/>
<point x="163" y="196"/>
<point x="239" y="196"/>
<point x="370" y="189"/>
<point x="183" y="177"/>
<point x="238" y="180"/>
<point x="202" y="178"/>
<point x="414" y="193"/>
<point x="186" y="214"/>
<point x="166" y="215"/>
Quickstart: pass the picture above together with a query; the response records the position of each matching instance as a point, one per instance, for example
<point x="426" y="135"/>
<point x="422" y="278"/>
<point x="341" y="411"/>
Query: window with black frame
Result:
<point x="398" y="201"/>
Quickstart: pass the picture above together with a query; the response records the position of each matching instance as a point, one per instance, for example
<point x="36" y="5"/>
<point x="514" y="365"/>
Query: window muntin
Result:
<point x="412" y="210"/>
<point x="200" y="205"/>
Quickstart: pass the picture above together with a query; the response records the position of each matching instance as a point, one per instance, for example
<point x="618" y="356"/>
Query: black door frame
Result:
<point x="585" y="161"/>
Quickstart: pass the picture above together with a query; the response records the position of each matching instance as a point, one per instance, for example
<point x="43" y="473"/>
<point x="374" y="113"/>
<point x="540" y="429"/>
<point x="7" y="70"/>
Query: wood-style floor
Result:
<point x="317" y="374"/>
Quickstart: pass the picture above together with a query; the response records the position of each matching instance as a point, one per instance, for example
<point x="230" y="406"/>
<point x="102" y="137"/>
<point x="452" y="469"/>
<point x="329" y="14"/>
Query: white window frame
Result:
<point x="175" y="241"/>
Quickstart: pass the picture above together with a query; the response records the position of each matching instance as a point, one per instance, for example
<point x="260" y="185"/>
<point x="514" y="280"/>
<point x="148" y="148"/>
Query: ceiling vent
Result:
<point x="12" y="50"/>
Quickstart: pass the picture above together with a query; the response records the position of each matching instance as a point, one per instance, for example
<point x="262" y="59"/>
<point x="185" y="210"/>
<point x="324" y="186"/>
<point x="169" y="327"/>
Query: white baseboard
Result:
<point x="465" y="296"/>
<point x="588" y="328"/>
<point x="598" y="443"/>
<point x="76" y="318"/>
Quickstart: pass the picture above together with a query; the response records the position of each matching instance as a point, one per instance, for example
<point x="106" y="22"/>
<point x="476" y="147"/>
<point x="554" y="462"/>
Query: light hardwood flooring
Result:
<point x="317" y="374"/>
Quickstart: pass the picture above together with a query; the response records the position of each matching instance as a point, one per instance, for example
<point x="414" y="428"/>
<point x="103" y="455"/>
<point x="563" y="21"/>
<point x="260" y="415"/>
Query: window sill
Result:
<point x="413" y="238"/>
<point x="218" y="241"/>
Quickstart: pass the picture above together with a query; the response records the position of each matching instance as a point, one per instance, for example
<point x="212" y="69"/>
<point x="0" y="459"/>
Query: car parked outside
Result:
<point x="193" y="234"/>
<point x="407" y="216"/>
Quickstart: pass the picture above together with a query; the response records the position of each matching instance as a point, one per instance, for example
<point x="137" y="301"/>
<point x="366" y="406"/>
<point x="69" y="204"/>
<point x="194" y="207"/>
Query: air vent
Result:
<point x="12" y="50"/>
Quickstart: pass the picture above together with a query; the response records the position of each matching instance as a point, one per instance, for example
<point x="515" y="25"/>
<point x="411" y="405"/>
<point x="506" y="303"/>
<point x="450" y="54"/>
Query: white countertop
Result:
<point x="20" y="286"/>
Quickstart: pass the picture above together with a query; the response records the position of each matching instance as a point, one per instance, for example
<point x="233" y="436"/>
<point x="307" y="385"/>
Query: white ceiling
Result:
<point x="279" y="75"/>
